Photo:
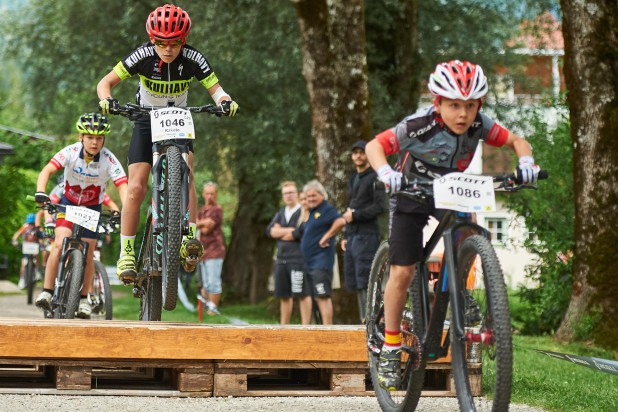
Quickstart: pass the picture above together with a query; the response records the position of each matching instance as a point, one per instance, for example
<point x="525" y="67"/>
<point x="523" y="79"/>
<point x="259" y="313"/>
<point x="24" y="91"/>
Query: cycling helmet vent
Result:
<point x="458" y="80"/>
<point x="30" y="218"/>
<point x="92" y="123"/>
<point x="168" y="23"/>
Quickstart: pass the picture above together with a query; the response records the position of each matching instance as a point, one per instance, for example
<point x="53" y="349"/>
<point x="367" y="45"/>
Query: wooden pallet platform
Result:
<point x="190" y="359"/>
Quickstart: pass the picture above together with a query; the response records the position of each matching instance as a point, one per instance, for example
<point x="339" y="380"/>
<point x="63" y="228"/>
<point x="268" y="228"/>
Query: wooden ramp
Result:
<point x="181" y="359"/>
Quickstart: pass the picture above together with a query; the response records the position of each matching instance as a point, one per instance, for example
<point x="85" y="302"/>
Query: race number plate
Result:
<point x="30" y="248"/>
<point x="465" y="193"/>
<point x="171" y="123"/>
<point x="83" y="216"/>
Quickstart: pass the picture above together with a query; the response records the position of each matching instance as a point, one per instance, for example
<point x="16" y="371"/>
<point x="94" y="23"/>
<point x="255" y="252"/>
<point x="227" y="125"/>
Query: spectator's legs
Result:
<point x="304" y="304"/>
<point x="285" y="307"/>
<point x="325" y="304"/>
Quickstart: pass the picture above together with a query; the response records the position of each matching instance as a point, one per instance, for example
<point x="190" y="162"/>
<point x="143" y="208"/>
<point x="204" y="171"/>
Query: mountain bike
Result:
<point x="466" y="310"/>
<point x="72" y="263"/>
<point x="158" y="262"/>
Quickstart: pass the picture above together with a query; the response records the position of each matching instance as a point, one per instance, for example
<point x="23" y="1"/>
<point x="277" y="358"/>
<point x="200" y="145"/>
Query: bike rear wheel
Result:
<point x="483" y="359"/>
<point x="68" y="295"/>
<point x="30" y="278"/>
<point x="102" y="292"/>
<point x="413" y="370"/>
<point x="151" y="290"/>
<point x="172" y="236"/>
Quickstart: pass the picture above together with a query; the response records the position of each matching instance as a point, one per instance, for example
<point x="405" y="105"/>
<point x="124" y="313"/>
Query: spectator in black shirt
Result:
<point x="362" y="232"/>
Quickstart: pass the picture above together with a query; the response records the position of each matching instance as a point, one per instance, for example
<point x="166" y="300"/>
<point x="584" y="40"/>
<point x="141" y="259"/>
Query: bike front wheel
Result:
<point x="150" y="287"/>
<point x="102" y="291"/>
<point x="68" y="295"/>
<point x="413" y="364"/>
<point x="172" y="236"/>
<point x="483" y="358"/>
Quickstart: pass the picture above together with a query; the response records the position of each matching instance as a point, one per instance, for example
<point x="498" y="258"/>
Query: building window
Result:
<point x="497" y="227"/>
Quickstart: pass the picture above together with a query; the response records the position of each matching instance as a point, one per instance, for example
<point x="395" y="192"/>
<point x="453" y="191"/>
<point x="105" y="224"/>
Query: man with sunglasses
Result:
<point x="166" y="65"/>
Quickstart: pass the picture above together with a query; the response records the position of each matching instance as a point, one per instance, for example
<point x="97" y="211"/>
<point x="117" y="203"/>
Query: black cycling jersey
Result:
<point x="164" y="83"/>
<point x="429" y="149"/>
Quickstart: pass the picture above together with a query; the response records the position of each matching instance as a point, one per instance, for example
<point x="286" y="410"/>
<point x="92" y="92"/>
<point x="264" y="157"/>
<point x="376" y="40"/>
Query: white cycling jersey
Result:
<point x="84" y="182"/>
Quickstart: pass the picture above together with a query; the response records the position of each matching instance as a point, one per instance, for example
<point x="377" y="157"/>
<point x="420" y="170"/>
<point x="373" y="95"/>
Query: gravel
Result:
<point x="79" y="403"/>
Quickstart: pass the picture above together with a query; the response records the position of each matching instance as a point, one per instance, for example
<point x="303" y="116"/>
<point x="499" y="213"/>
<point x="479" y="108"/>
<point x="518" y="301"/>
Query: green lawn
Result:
<point x="538" y="380"/>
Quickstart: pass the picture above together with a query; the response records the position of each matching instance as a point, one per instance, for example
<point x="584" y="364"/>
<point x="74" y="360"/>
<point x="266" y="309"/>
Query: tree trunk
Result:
<point x="249" y="257"/>
<point x="591" y="68"/>
<point x="335" y="71"/>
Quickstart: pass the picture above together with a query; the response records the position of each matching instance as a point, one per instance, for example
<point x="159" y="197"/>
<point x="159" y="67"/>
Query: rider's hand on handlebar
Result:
<point x="390" y="178"/>
<point x="41" y="197"/>
<point x="230" y="107"/>
<point x="108" y="105"/>
<point x="527" y="170"/>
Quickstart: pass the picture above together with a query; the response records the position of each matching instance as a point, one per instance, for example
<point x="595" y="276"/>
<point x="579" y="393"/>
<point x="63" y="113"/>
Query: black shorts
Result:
<point x="405" y="232"/>
<point x="291" y="280"/>
<point x="359" y="253"/>
<point x="321" y="282"/>
<point x="140" y="148"/>
<point x="407" y="220"/>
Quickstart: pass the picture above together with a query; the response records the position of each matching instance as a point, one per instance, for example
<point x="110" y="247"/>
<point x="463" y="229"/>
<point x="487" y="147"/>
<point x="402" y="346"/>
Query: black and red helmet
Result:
<point x="168" y="23"/>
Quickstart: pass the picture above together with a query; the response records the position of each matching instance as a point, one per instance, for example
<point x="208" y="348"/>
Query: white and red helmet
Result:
<point x="458" y="80"/>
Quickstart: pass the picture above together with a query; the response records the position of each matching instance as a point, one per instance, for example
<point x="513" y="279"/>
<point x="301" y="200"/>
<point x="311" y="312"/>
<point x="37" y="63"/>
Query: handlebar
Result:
<point x="422" y="190"/>
<point x="108" y="221"/>
<point x="134" y="111"/>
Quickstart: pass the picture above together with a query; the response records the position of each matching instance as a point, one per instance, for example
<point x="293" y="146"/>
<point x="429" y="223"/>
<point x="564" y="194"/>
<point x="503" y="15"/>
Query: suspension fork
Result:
<point x="159" y="175"/>
<point x="185" y="187"/>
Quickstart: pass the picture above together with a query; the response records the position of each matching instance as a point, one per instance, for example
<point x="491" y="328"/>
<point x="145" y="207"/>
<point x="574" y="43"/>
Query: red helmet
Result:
<point x="168" y="23"/>
<point x="458" y="80"/>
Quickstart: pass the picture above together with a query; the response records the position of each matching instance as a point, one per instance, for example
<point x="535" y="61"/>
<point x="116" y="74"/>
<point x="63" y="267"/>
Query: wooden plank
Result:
<point x="20" y="338"/>
<point x="73" y="377"/>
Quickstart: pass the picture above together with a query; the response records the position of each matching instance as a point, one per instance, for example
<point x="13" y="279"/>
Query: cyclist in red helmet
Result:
<point x="431" y="143"/>
<point x="166" y="65"/>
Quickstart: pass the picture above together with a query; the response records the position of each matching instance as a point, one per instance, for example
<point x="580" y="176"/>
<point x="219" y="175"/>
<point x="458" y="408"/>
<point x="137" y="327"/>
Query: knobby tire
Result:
<point x="172" y="236"/>
<point x="151" y="294"/>
<point x="491" y="375"/>
<point x="103" y="292"/>
<point x="68" y="296"/>
<point x="407" y="397"/>
<point x="30" y="278"/>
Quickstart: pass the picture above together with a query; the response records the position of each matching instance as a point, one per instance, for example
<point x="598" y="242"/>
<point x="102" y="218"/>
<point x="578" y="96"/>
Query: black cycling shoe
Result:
<point x="389" y="369"/>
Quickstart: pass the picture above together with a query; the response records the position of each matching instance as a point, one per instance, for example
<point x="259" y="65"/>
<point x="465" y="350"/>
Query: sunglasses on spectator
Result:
<point x="163" y="44"/>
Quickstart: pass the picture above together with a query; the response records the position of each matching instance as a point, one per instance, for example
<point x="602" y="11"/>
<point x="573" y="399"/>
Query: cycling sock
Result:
<point x="83" y="296"/>
<point x="127" y="245"/>
<point x="392" y="340"/>
<point x="50" y="291"/>
<point x="192" y="230"/>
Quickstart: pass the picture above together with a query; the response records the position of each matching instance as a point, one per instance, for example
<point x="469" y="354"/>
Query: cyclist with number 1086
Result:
<point x="431" y="143"/>
<point x="87" y="168"/>
<point x="166" y="65"/>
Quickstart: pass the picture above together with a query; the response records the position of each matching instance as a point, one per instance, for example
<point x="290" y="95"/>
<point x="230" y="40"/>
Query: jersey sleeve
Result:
<point x="495" y="134"/>
<point x="388" y="140"/>
<point x="60" y="159"/>
<point x="130" y="65"/>
<point x="204" y="72"/>
<point x="116" y="171"/>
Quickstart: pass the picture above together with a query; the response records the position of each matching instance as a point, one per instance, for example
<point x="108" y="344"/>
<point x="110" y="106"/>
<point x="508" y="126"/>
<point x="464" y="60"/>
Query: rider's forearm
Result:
<point x="106" y="84"/>
<point x="46" y="173"/>
<point x="375" y="154"/>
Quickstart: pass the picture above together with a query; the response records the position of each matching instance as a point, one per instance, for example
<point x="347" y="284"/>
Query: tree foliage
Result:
<point x="549" y="214"/>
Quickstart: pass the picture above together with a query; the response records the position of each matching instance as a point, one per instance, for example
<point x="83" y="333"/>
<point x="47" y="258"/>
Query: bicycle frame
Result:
<point x="450" y="289"/>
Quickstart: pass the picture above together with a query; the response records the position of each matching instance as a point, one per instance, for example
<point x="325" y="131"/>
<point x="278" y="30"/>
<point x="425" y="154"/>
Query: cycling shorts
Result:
<point x="140" y="148"/>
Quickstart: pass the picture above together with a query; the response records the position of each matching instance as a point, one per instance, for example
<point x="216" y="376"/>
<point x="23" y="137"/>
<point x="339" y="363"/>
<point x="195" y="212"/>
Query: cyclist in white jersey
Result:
<point x="87" y="168"/>
<point x="166" y="65"/>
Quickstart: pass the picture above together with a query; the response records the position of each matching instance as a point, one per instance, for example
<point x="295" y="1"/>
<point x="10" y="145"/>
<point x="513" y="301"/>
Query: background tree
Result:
<point x="591" y="68"/>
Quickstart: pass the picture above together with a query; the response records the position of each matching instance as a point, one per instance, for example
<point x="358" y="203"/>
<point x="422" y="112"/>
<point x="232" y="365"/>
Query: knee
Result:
<point x="137" y="191"/>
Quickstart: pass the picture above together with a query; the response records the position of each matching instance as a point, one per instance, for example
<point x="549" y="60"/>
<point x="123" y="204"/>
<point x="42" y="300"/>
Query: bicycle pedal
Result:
<point x="136" y="293"/>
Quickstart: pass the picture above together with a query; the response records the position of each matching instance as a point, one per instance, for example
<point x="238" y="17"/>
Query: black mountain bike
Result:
<point x="156" y="283"/>
<point x="72" y="263"/>
<point x="470" y="294"/>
